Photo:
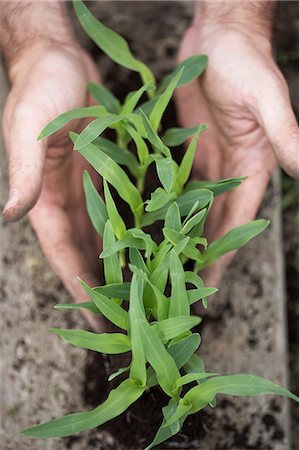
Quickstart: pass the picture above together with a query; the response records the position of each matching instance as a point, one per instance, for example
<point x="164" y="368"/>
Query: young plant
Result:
<point x="154" y="324"/>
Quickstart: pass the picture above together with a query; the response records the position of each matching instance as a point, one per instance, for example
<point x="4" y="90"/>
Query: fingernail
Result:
<point x="12" y="201"/>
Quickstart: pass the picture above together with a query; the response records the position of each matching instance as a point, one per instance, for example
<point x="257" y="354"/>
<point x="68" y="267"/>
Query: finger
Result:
<point x="274" y="113"/>
<point x="26" y="158"/>
<point x="240" y="206"/>
<point x="53" y="228"/>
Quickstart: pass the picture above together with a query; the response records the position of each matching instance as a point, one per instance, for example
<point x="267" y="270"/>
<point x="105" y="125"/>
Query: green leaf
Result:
<point x="94" y="129"/>
<point x="64" y="118"/>
<point x="113" y="173"/>
<point x="104" y="97"/>
<point x="193" y="221"/>
<point x="153" y="137"/>
<point x="137" y="319"/>
<point x="116" y="374"/>
<point x="179" y="304"/>
<point x="163" y="100"/>
<point x="187" y="161"/>
<point x="217" y="187"/>
<point x="118" y="225"/>
<point x="119" y="155"/>
<point x="165" y="432"/>
<point x="166" y="172"/>
<point x="137" y="260"/>
<point x="191" y="377"/>
<point x="173" y="217"/>
<point x="239" y="384"/>
<point x="95" y="206"/>
<point x="184" y="202"/>
<point x="171" y="328"/>
<point x="127" y="242"/>
<point x="118" y="290"/>
<point x="200" y="294"/>
<point x="159" y="198"/>
<point x="113" y="312"/>
<point x="110" y="42"/>
<point x="133" y="98"/>
<point x="193" y="68"/>
<point x="112" y="268"/>
<point x="181" y="411"/>
<point x="142" y="149"/>
<point x="182" y="350"/>
<point x="110" y="343"/>
<point x="174" y="137"/>
<point x="232" y="240"/>
<point x="118" y="401"/>
<point x="162" y="301"/>
<point x="190" y="250"/>
<point x="90" y="306"/>
<point x="156" y="354"/>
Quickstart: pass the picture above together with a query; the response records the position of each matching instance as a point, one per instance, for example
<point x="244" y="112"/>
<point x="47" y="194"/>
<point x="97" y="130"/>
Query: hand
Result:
<point x="46" y="176"/>
<point x="244" y="99"/>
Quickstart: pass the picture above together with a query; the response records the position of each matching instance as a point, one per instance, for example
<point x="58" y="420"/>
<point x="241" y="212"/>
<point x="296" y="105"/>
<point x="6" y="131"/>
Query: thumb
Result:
<point x="275" y="115"/>
<point x="26" y="158"/>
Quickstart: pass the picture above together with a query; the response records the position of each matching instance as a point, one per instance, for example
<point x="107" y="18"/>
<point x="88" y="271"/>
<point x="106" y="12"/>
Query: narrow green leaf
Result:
<point x="174" y="137"/>
<point x="94" y="129"/>
<point x="118" y="290"/>
<point x="113" y="312"/>
<point x="118" y="401"/>
<point x="133" y="98"/>
<point x="184" y="202"/>
<point x="64" y="118"/>
<point x="166" y="172"/>
<point x="137" y="260"/>
<point x="190" y="250"/>
<point x="118" y="225"/>
<point x="153" y="137"/>
<point x="95" y="206"/>
<point x="159" y="198"/>
<point x="217" y="187"/>
<point x="187" y="161"/>
<point x="104" y="97"/>
<point x="119" y="155"/>
<point x="193" y="68"/>
<point x="110" y="42"/>
<point x="164" y="432"/>
<point x="191" y="377"/>
<point x="110" y="343"/>
<point x="112" y="268"/>
<point x="173" y="217"/>
<point x="181" y="411"/>
<point x="239" y="384"/>
<point x="90" y="306"/>
<point x="163" y="101"/>
<point x="142" y="149"/>
<point x="113" y="173"/>
<point x="179" y="304"/>
<point x="182" y="350"/>
<point x="170" y="328"/>
<point x="118" y="372"/>
<point x="232" y="240"/>
<point x="200" y="294"/>
<point x="137" y="319"/>
<point x="193" y="221"/>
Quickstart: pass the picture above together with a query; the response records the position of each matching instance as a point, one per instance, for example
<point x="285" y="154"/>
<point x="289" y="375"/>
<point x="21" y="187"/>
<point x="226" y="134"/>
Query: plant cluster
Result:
<point x="154" y="323"/>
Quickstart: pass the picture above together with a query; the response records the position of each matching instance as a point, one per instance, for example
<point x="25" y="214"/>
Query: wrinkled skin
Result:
<point x="244" y="99"/>
<point x="47" y="175"/>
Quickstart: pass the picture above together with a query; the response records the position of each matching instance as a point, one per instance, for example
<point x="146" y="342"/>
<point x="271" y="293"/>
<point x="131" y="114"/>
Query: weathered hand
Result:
<point x="47" y="175"/>
<point x="244" y="99"/>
